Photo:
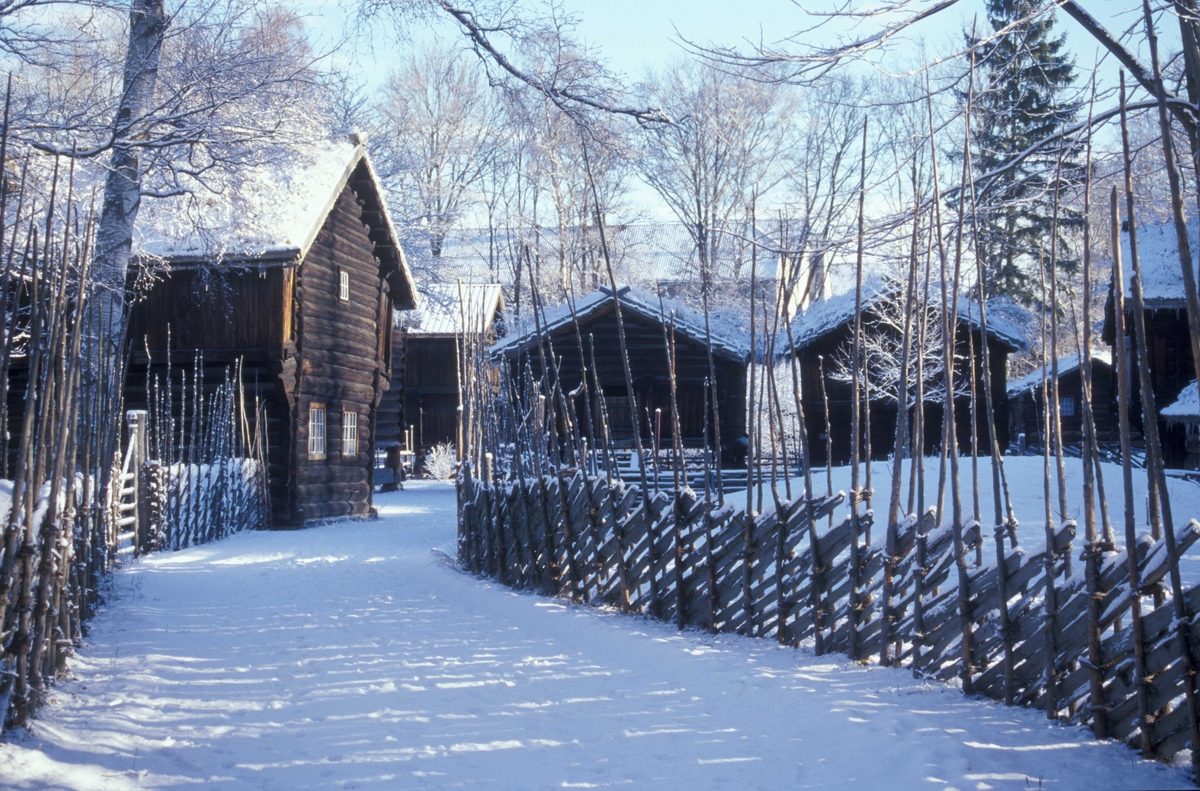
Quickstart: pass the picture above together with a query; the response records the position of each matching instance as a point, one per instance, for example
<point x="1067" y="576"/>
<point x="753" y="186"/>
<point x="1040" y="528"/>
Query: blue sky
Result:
<point x="633" y="35"/>
<point x="636" y="35"/>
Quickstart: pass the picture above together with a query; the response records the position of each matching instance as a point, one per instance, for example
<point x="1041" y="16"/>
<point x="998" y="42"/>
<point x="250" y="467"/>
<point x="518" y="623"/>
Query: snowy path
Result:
<point x="350" y="656"/>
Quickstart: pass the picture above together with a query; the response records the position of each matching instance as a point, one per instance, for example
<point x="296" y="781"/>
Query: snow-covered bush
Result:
<point x="440" y="461"/>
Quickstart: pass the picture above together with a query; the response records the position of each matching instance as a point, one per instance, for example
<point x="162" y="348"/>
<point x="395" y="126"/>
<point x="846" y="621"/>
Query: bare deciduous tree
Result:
<point x="173" y="101"/>
<point x="436" y="134"/>
<point x="729" y="142"/>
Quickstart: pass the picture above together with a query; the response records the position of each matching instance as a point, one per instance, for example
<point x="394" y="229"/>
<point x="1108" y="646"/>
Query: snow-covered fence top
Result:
<point x="1023" y="628"/>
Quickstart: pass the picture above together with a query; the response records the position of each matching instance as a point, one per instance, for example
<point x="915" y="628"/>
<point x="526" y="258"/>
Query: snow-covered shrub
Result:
<point x="440" y="461"/>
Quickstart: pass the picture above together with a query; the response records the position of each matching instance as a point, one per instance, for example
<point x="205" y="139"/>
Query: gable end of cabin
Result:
<point x="340" y="326"/>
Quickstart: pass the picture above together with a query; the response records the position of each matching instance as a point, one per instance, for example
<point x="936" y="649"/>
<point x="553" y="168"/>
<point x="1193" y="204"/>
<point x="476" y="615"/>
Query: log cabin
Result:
<point x="296" y="278"/>
<point x="1168" y="337"/>
<point x="1026" y="407"/>
<point x="420" y="409"/>
<point x="823" y="335"/>
<point x="590" y="322"/>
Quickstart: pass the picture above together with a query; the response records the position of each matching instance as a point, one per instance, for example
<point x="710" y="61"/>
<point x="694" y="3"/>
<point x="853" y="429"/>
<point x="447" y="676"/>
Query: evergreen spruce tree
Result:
<point x="1023" y="76"/>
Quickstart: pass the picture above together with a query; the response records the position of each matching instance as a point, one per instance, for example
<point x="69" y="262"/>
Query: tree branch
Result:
<point x="562" y="97"/>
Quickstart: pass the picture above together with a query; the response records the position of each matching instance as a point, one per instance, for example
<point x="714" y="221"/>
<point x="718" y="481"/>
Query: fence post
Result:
<point x="463" y="489"/>
<point x="137" y="421"/>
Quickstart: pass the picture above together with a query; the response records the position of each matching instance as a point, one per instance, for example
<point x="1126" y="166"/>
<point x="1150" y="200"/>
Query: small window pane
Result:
<point x="1066" y="406"/>
<point x="349" y="433"/>
<point x="343" y="285"/>
<point x="316" y="432"/>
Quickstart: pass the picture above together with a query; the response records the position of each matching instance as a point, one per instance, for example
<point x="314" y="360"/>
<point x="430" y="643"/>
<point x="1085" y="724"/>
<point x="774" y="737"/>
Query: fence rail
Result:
<point x="1022" y="634"/>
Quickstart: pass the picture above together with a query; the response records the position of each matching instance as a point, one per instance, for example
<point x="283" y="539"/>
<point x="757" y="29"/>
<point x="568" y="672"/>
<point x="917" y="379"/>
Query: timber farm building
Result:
<point x="823" y="335"/>
<point x="1026" y="407"/>
<point x="590" y="323"/>
<point x="1168" y="340"/>
<point x="421" y="406"/>
<point x="297" y="281"/>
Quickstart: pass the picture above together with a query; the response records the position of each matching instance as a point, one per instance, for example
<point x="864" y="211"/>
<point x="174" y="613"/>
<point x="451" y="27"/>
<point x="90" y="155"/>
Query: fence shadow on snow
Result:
<point x="786" y="575"/>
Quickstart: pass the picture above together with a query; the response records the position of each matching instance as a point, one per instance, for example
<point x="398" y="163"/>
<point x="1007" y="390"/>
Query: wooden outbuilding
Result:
<point x="824" y="333"/>
<point x="1026" y="406"/>
<point x="590" y="323"/>
<point x="1168" y="336"/>
<point x="1184" y="414"/>
<point x="297" y="279"/>
<point x="420" y="410"/>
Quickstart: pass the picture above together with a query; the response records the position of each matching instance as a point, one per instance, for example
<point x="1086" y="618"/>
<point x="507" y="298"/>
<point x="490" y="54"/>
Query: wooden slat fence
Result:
<point x="687" y="560"/>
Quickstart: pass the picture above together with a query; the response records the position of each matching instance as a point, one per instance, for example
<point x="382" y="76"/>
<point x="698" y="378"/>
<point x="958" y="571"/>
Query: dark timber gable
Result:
<point x="344" y="349"/>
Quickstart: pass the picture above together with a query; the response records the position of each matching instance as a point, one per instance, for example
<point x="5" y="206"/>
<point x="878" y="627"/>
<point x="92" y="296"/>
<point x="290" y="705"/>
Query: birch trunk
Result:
<point x="123" y="187"/>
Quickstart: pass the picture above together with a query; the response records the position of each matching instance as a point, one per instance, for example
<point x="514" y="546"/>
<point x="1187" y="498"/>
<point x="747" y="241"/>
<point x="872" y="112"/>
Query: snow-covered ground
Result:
<point x="351" y="656"/>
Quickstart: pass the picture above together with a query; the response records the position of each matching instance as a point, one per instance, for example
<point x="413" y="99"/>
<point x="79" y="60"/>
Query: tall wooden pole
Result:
<point x="1001" y="502"/>
<point x="1124" y="377"/>
<point x="893" y="519"/>
<point x="950" y="442"/>
<point x="612" y="284"/>
<point x="1055" y="400"/>
<point x="1097" y="707"/>
<point x="816" y="568"/>
<point x="1050" y="600"/>
<point x="855" y="429"/>
<point x="1154" y="471"/>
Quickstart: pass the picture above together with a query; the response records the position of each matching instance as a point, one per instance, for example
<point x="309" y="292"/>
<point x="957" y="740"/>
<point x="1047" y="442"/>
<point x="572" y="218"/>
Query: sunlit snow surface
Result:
<point x="351" y="656"/>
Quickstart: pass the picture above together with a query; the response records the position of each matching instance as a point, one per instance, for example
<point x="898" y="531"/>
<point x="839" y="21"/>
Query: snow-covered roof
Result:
<point x="728" y="339"/>
<point x="1066" y="365"/>
<point x="274" y="210"/>
<point x="827" y="315"/>
<point x="1158" y="256"/>
<point x="444" y="306"/>
<point x="268" y="212"/>
<point x="1005" y="319"/>
<point x="1186" y="408"/>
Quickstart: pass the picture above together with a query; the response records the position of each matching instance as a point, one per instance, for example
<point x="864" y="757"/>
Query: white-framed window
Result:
<point x="316" y="431"/>
<point x="343" y="285"/>
<point x="349" y="434"/>
<point x="1066" y="406"/>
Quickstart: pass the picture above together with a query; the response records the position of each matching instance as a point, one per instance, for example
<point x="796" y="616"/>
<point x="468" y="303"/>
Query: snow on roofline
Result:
<point x="271" y="214"/>
<point x="1066" y="365"/>
<point x="442" y="310"/>
<point x="825" y="316"/>
<point x="1186" y="408"/>
<point x="687" y="322"/>
<point x="1158" y="256"/>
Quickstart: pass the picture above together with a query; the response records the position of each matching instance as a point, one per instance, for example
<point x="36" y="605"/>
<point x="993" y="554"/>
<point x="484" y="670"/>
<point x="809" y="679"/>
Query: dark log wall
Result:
<point x="389" y="425"/>
<point x="1171" y="369"/>
<point x="883" y="414"/>
<point x="1170" y="353"/>
<point x="342" y="347"/>
<point x="221" y="317"/>
<point x="230" y="310"/>
<point x="431" y="389"/>
<point x="649" y="365"/>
